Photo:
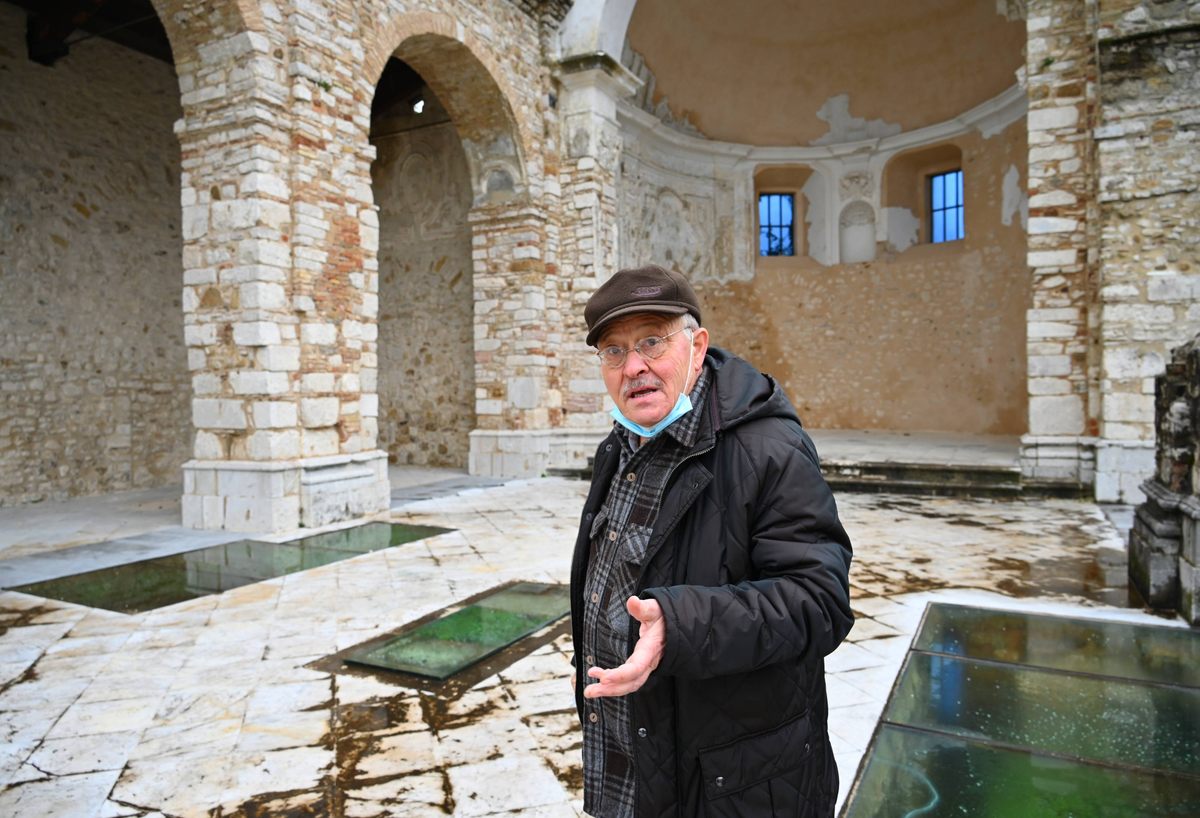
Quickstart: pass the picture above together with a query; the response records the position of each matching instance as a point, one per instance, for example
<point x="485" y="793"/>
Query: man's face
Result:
<point x="645" y="390"/>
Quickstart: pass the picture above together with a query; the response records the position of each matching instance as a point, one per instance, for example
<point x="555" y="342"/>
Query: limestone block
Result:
<point x="1045" y="224"/>
<point x="1051" y="258"/>
<point x="1125" y="363"/>
<point x="283" y="358"/>
<point x="524" y="393"/>
<point x="200" y="335"/>
<point x="256" y="333"/>
<point x="317" y="333"/>
<point x="274" y="445"/>
<point x="1153" y="571"/>
<point x="208" y="446"/>
<point x="197" y="359"/>
<point x="369" y="404"/>
<point x="319" y="412"/>
<point x="1058" y="414"/>
<point x="273" y="414"/>
<point x="260" y="295"/>
<point x="1048" y="365"/>
<point x="206" y="383"/>
<point x="316" y="382"/>
<point x="218" y="413"/>
<point x="1180" y="288"/>
<point x="262" y="514"/>
<point x="348" y="384"/>
<point x="1128" y="408"/>
<point x="319" y="442"/>
<point x="192" y="511"/>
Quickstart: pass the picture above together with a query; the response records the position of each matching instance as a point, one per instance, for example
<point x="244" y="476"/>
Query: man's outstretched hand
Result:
<point x="647" y="653"/>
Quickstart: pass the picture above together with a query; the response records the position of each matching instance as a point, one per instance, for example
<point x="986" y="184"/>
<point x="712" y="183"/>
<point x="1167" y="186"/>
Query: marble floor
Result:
<point x="236" y="704"/>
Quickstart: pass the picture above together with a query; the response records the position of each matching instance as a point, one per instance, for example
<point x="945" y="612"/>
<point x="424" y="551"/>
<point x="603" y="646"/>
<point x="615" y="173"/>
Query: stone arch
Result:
<point x="595" y="25"/>
<point x="233" y="17"/>
<point x="467" y="79"/>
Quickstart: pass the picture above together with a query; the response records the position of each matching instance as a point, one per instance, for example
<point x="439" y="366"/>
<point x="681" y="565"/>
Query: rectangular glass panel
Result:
<point x="951" y="189"/>
<point x="148" y="584"/>
<point x="911" y="773"/>
<point x="451" y="643"/>
<point x="938" y="233"/>
<point x="1090" y="718"/>
<point x="961" y="232"/>
<point x="936" y="185"/>
<point x="1121" y="649"/>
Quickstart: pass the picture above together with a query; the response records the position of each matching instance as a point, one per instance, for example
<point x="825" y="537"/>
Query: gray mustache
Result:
<point x="641" y="383"/>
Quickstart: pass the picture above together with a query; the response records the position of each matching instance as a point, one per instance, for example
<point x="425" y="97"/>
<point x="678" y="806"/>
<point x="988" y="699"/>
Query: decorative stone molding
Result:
<point x="680" y="162"/>
<point x="529" y="453"/>
<point x="281" y="495"/>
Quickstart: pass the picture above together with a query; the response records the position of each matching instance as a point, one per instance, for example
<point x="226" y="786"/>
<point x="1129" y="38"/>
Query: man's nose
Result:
<point x="634" y="365"/>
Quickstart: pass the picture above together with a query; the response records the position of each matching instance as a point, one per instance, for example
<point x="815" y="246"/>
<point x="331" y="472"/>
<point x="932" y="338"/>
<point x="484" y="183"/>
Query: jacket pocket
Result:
<point x="732" y="768"/>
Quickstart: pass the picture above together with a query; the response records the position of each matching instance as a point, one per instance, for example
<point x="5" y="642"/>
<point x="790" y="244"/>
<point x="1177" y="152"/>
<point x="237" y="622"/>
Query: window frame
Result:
<point x="935" y="214"/>
<point x="791" y="225"/>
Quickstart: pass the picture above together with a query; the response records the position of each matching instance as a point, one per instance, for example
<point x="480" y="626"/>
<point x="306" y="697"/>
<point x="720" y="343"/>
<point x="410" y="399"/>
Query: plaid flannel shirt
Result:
<point x="619" y="537"/>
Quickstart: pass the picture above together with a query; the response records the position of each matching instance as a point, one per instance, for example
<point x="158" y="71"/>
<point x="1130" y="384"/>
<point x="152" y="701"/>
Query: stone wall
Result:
<point x="920" y="337"/>
<point x="426" y="309"/>
<point x="1149" y="213"/>
<point x="94" y="393"/>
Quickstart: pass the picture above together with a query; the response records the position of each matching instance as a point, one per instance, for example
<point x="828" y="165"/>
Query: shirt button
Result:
<point x="593" y="718"/>
<point x="642" y="732"/>
<point x="591" y="660"/>
<point x="631" y="477"/>
<point x="720" y="782"/>
<point x="596" y="598"/>
<point x="612" y="536"/>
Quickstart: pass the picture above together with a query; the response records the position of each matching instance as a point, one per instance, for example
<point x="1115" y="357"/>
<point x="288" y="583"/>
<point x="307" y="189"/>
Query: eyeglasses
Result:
<point x="648" y="348"/>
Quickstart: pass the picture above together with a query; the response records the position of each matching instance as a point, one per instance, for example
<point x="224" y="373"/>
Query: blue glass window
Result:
<point x="775" y="224"/>
<point x="946" y="206"/>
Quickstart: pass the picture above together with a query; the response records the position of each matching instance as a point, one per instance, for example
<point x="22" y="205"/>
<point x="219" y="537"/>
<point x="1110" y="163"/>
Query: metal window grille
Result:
<point x="775" y="224"/>
<point x="946" y="206"/>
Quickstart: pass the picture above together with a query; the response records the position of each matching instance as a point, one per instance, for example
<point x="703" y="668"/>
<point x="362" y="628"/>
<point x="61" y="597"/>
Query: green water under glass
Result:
<point x="1009" y="714"/>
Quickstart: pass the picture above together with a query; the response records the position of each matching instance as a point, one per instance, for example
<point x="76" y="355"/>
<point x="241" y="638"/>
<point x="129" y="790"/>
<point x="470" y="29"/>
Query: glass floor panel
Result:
<point x="451" y="643"/>
<point x="1037" y="716"/>
<point x="148" y="584"/>
<point x="915" y="773"/>
<point x="1117" y="722"/>
<point x="1122" y="649"/>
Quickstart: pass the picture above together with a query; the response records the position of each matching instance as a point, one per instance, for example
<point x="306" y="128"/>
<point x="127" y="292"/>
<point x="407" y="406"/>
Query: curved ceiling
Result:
<point x="774" y="72"/>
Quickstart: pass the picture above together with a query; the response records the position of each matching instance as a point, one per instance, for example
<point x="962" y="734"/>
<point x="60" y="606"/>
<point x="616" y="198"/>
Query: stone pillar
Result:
<point x="592" y="86"/>
<point x="1149" y="212"/>
<point x="279" y="297"/>
<point x="1060" y="71"/>
<point x="1164" y="545"/>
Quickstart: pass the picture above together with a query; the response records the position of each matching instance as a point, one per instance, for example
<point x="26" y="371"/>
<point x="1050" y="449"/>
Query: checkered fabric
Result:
<point x="619" y="538"/>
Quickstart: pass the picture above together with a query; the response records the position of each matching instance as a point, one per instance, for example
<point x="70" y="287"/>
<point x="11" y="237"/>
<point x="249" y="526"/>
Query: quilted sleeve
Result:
<point x="797" y="602"/>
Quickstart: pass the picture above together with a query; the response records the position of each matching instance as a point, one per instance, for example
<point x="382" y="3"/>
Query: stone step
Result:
<point x="930" y="479"/>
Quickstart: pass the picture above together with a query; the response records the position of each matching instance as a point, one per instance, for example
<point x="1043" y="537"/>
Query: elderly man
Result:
<point x="709" y="578"/>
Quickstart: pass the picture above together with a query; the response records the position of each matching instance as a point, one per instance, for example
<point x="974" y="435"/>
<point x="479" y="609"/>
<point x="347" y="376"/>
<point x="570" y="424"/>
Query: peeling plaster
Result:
<point x="903" y="228"/>
<point x="846" y="128"/>
<point x="1015" y="199"/>
<point x="814" y="194"/>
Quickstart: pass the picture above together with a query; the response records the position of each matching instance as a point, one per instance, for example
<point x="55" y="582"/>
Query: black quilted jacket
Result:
<point x="752" y="577"/>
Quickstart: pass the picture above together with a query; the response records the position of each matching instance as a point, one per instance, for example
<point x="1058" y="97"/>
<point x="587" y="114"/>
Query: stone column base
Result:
<point x="1189" y="560"/>
<point x="1121" y="468"/>
<point x="263" y="497"/>
<point x="1058" y="459"/>
<point x="1154" y="543"/>
<point x="529" y="453"/>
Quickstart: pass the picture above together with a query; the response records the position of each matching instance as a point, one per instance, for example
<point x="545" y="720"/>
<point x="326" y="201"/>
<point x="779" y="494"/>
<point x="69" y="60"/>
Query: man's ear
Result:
<point x="700" y="347"/>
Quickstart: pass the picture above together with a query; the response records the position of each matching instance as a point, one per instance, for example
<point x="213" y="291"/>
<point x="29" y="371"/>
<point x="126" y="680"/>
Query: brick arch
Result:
<point x="468" y="81"/>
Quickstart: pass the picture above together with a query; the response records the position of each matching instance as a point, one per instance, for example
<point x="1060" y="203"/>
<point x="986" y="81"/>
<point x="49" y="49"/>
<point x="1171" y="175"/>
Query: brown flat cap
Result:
<point x="644" y="289"/>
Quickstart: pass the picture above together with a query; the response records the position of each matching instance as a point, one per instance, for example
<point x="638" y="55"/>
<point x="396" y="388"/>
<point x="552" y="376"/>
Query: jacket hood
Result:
<point x="744" y="393"/>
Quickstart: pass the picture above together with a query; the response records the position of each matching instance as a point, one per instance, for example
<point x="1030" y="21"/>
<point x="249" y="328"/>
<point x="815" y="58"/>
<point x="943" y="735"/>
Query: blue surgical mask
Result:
<point x="681" y="408"/>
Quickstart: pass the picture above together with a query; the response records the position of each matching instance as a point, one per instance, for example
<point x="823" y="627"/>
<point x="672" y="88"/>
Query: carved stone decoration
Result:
<point x="1164" y="544"/>
<point x="857" y="184"/>
<point x="663" y="222"/>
